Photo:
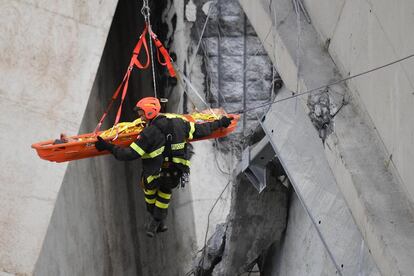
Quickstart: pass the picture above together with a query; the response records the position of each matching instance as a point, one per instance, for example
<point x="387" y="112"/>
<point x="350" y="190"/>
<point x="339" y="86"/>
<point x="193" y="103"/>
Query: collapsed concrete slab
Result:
<point x="332" y="229"/>
<point x="354" y="151"/>
<point x="255" y="222"/>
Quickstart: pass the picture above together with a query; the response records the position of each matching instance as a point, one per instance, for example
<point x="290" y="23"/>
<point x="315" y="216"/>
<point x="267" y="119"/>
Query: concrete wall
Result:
<point x="354" y="149"/>
<point x="365" y="34"/>
<point x="302" y="252"/>
<point x="49" y="56"/>
<point x="322" y="236"/>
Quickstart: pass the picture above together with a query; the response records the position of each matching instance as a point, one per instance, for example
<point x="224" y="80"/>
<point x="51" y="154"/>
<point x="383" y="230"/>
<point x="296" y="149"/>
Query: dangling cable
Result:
<point x="146" y="12"/>
<point x="299" y="33"/>
<point x="189" y="84"/>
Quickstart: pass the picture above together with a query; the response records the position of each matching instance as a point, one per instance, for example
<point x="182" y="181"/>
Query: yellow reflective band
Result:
<point x="192" y="129"/>
<point x="150" y="192"/>
<point x="172" y="116"/>
<point x="150" y="201"/>
<point x="152" y="177"/>
<point x="161" y="205"/>
<point x="153" y="154"/>
<point x="178" y="146"/>
<point x="137" y="149"/>
<point x="164" y="195"/>
<point x="179" y="161"/>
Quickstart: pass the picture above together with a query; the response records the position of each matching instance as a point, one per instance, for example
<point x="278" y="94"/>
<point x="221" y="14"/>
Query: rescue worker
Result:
<point x="162" y="145"/>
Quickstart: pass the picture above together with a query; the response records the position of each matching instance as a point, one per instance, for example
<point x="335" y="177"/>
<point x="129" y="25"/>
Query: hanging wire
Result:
<point x="210" y="8"/>
<point x="300" y="197"/>
<point x="299" y="34"/>
<point x="326" y="85"/>
<point x="208" y="223"/>
<point x="184" y="81"/>
<point x="256" y="52"/>
<point x="146" y="12"/>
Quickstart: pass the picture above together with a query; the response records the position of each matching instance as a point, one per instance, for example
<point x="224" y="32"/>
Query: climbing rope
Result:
<point x="146" y="12"/>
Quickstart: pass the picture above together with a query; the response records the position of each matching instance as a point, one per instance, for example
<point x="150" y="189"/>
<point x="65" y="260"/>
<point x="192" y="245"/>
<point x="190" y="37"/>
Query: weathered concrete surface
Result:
<point x="232" y="67"/>
<point x="300" y="150"/>
<point x="372" y="189"/>
<point x="368" y="34"/>
<point x="301" y="252"/>
<point x="210" y="173"/>
<point x="49" y="55"/>
<point x="254" y="223"/>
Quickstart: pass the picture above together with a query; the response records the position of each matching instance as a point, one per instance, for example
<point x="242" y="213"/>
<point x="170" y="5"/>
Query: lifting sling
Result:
<point x="123" y="134"/>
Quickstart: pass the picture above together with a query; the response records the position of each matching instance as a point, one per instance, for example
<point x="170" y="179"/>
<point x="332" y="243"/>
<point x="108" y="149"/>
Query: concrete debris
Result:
<point x="212" y="253"/>
<point x="255" y="222"/>
<point x="251" y="235"/>
<point x="322" y="109"/>
<point x="191" y="11"/>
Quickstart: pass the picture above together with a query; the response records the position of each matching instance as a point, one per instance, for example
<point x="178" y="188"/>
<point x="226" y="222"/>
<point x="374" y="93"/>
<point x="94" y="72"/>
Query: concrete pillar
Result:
<point x="50" y="52"/>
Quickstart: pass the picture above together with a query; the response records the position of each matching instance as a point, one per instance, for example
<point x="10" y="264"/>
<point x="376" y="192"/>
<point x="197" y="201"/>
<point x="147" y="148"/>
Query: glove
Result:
<point x="225" y="121"/>
<point x="102" y="145"/>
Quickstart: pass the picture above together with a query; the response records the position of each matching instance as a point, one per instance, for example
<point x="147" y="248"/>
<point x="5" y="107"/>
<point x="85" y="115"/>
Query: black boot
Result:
<point x="152" y="227"/>
<point x="162" y="227"/>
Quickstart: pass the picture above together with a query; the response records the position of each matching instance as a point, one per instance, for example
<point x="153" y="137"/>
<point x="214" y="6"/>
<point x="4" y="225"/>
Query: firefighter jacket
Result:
<point x="164" y="139"/>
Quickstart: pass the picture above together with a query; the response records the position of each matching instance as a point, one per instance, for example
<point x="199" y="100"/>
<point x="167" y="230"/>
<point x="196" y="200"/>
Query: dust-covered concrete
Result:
<point x="49" y="56"/>
<point x="255" y="222"/>
<point x="354" y="150"/>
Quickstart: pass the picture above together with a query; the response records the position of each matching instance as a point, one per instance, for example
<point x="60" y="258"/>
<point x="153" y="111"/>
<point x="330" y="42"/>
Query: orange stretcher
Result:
<point x="83" y="146"/>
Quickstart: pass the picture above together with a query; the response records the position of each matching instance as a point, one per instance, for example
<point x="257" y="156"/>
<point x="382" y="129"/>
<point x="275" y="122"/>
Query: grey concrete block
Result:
<point x="211" y="46"/>
<point x="232" y="107"/>
<point x="231" y="68"/>
<point x="259" y="109"/>
<point x="231" y="25"/>
<point x="232" y="8"/>
<point x="212" y="87"/>
<point x="212" y="67"/>
<point x="258" y="67"/>
<point x="258" y="90"/>
<point x="212" y="24"/>
<point x="212" y="30"/>
<point x="232" y="46"/>
<point x="232" y="91"/>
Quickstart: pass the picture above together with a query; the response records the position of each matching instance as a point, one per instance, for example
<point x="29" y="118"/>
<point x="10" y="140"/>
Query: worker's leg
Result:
<point x="150" y="186"/>
<point x="150" y="197"/>
<point x="169" y="180"/>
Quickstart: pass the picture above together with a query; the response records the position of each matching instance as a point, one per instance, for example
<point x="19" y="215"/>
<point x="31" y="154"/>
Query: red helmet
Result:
<point x="151" y="107"/>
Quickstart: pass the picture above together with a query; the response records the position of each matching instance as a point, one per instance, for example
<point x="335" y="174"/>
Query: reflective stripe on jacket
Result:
<point x="150" y="145"/>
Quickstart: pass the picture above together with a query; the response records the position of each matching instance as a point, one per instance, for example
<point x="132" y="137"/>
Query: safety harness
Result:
<point x="168" y="141"/>
<point x="135" y="62"/>
<point x="174" y="147"/>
